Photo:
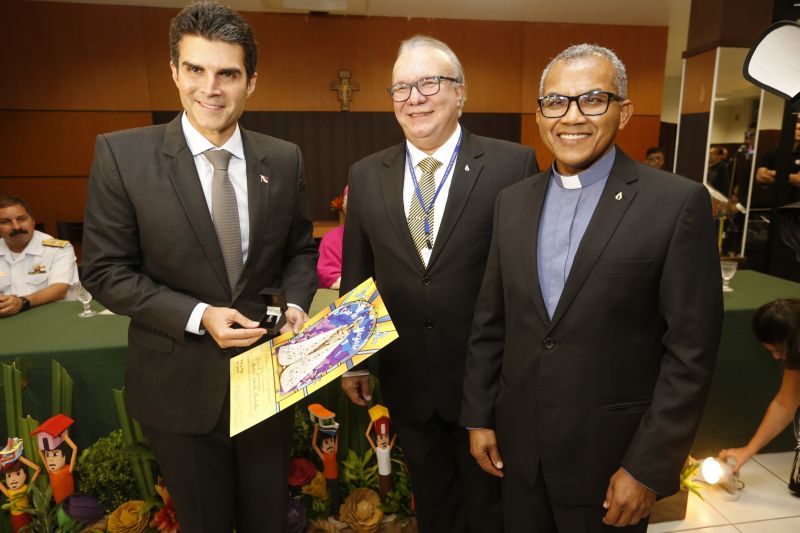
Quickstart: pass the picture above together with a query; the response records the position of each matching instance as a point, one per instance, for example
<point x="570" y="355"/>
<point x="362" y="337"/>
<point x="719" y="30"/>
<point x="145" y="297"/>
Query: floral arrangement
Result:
<point x="362" y="510"/>
<point x="301" y="471"/>
<point x="106" y="473"/>
<point x="164" y="519"/>
<point x="337" y="204"/>
<point x="296" y="517"/>
<point x="128" y="518"/>
<point x="117" y="501"/>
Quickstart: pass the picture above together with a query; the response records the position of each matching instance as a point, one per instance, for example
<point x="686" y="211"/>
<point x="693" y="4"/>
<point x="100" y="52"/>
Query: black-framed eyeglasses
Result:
<point x="400" y="92"/>
<point x="590" y="104"/>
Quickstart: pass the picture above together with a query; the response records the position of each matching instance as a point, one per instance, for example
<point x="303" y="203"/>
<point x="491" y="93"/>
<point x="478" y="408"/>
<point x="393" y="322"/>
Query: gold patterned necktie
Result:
<point x="416" y="214"/>
<point x="225" y="214"/>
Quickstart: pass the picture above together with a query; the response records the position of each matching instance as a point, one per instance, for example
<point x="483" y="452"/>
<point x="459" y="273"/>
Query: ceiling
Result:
<point x="671" y="13"/>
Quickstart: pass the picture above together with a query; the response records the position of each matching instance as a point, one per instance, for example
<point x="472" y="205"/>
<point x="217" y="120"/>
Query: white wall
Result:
<point x="670" y="99"/>
<point x="771" y="112"/>
<point x="731" y="118"/>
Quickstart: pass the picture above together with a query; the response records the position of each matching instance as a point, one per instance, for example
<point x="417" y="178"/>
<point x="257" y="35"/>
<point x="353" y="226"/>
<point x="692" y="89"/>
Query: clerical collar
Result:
<point x="597" y="172"/>
<point x="199" y="144"/>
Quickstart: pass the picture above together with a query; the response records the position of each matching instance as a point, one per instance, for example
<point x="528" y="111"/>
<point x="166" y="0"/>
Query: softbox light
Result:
<point x="773" y="62"/>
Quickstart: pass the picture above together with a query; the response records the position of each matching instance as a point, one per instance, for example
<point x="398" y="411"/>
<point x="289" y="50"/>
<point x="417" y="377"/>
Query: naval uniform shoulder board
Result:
<point x="55" y="243"/>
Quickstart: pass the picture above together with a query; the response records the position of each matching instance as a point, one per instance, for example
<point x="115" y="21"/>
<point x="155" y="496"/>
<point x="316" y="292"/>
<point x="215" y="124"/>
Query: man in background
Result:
<point x="35" y="268"/>
<point x="654" y="157"/>
<point x="185" y="224"/>
<point x="719" y="170"/>
<point x="419" y="221"/>
<point x="598" y="321"/>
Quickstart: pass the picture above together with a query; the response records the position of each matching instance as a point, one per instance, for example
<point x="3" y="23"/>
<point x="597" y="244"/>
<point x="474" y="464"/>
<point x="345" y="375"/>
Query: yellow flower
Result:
<point x="316" y="488"/>
<point x="127" y="519"/>
<point x="362" y="511"/>
<point x="320" y="525"/>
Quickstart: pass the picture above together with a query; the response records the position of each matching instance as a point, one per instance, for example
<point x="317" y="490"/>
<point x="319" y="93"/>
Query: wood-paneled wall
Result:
<point x="45" y="157"/>
<point x="75" y="70"/>
<point x="737" y="23"/>
<point x="698" y="83"/>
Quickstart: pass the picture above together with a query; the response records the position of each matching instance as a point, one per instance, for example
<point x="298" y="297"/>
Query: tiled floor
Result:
<point x="765" y="505"/>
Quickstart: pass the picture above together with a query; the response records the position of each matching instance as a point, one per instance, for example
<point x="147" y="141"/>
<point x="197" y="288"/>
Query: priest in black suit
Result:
<point x="419" y="220"/>
<point x="185" y="224"/>
<point x="598" y="320"/>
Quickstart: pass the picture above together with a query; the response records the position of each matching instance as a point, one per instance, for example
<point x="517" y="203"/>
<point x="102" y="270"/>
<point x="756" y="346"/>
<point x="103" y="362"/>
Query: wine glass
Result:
<point x="728" y="270"/>
<point x="85" y="298"/>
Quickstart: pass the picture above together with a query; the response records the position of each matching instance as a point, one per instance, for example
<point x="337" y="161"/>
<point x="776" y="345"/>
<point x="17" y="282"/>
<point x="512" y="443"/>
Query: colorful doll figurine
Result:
<point x="379" y="419"/>
<point x="55" y="449"/>
<point x="16" y="488"/>
<point x="325" y="423"/>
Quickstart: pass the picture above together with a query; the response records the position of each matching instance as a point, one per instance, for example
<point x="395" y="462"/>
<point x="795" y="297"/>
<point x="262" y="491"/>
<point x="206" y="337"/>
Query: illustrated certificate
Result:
<point x="275" y="375"/>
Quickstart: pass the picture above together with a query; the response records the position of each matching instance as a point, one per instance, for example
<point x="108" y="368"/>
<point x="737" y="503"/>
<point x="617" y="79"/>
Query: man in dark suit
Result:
<point x="598" y="320"/>
<point x="185" y="224"/>
<point x="419" y="221"/>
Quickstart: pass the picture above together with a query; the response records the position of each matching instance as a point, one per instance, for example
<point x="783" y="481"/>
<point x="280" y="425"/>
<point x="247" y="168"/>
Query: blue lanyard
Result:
<point x="418" y="192"/>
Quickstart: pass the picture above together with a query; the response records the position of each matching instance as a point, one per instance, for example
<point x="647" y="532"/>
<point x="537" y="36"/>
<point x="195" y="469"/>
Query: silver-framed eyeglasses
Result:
<point x="400" y="92"/>
<point x="590" y="104"/>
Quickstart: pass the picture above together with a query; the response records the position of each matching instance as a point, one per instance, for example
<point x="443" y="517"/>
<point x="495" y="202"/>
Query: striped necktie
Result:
<point x="416" y="215"/>
<point x="225" y="214"/>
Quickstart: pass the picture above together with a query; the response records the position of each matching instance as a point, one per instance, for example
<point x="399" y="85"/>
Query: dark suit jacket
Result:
<point x="150" y="251"/>
<point x="422" y="371"/>
<point x="620" y="374"/>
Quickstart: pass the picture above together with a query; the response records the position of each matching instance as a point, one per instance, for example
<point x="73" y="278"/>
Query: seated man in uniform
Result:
<point x="35" y="268"/>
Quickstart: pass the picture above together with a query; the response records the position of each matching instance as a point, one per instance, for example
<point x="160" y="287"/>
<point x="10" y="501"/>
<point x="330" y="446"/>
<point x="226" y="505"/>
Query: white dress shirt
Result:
<point x="443" y="155"/>
<point x="237" y="173"/>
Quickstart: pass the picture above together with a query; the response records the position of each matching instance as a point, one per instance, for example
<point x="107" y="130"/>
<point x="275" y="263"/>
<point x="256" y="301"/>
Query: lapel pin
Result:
<point x="618" y="196"/>
<point x="466" y="168"/>
<point x="264" y="179"/>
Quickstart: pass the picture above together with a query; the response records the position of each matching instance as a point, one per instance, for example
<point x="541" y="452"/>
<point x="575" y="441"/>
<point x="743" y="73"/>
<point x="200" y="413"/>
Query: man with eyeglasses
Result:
<point x="598" y="321"/>
<point x="419" y="220"/>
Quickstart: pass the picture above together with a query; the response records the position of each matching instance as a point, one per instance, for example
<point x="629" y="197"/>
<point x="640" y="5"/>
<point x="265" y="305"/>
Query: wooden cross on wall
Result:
<point x="344" y="89"/>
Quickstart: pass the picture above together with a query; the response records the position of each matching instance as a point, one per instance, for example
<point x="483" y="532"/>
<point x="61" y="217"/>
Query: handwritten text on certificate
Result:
<point x="254" y="392"/>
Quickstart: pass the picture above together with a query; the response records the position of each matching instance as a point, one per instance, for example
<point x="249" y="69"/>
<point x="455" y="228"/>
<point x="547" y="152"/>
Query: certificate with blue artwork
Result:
<point x="275" y="375"/>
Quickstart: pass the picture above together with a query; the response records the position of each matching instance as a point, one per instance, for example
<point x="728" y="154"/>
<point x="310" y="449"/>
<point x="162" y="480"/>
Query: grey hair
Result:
<point x="425" y="41"/>
<point x="578" y="51"/>
<point x="420" y="41"/>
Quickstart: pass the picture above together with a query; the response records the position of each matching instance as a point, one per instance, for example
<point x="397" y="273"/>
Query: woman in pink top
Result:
<point x="329" y="266"/>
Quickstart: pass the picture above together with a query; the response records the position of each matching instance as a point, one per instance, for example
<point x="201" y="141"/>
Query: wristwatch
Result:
<point x="26" y="304"/>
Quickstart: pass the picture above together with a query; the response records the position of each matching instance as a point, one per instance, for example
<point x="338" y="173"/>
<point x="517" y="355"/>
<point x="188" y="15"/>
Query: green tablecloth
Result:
<point x="93" y="350"/>
<point x="746" y="377"/>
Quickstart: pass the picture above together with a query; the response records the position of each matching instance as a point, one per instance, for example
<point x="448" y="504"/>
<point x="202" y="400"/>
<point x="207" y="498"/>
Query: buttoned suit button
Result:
<point x="548" y="343"/>
<point x="426" y="281"/>
<point x="428" y="324"/>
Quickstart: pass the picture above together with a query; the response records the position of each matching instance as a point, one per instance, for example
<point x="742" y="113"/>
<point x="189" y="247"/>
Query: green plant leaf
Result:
<point x="106" y="473"/>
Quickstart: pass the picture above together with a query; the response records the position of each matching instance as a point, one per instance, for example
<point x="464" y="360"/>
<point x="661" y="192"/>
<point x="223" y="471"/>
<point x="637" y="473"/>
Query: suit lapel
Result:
<point x="532" y="208"/>
<point x="257" y="202"/>
<point x="182" y="172"/>
<point x="392" y="186"/>
<point x="461" y="186"/>
<point x="619" y="192"/>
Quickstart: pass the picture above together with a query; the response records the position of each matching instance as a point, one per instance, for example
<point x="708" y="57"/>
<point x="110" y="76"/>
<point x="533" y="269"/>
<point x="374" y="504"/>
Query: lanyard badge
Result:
<point x="418" y="192"/>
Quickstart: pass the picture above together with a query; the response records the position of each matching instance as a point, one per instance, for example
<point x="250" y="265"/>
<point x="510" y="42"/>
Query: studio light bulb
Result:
<point x="711" y="470"/>
<point x="720" y="474"/>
